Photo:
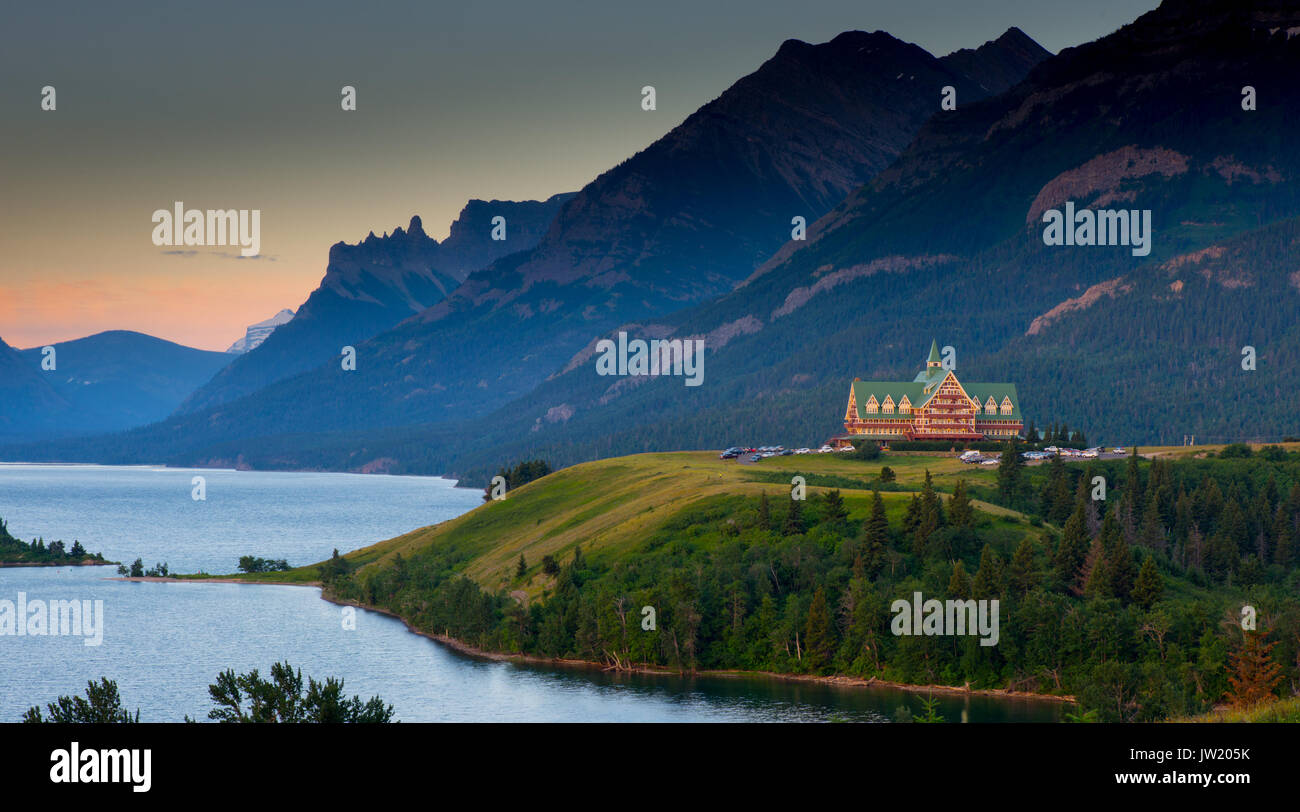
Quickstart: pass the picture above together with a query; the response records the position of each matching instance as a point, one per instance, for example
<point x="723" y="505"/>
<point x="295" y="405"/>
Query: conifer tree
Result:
<point x="1094" y="573"/>
<point x="835" y="510"/>
<point x="960" y="512"/>
<point x="1149" y="585"/>
<point x="912" y="516"/>
<point x="793" y="519"/>
<point x="1009" y="470"/>
<point x="1121" y="569"/>
<point x="1251" y="671"/>
<point x="818" y="636"/>
<point x="1152" y="535"/>
<point x="1072" y="551"/>
<point x="874" y="537"/>
<point x="1055" y="502"/>
<point x="988" y="579"/>
<point x="959" y="583"/>
<point x="1020" y="573"/>
<point x="1283" y="538"/>
<point x="764" y="512"/>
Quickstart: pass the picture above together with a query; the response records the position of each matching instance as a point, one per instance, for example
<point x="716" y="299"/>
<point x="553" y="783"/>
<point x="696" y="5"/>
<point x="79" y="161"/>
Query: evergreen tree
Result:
<point x="1072" y="551"/>
<point x="988" y="579"/>
<point x="912" y="516"/>
<point x="960" y="512"/>
<point x="1121" y="570"/>
<point x="1152" y="535"/>
<point x="1283" y="539"/>
<point x="793" y="519"/>
<point x="835" y="510"/>
<point x="959" y="583"/>
<point x="102" y="705"/>
<point x="1009" y="471"/>
<point x="1021" y="576"/>
<point x="521" y="568"/>
<point x="1056" y="501"/>
<point x="818" y="635"/>
<point x="1149" y="585"/>
<point x="1095" y="573"/>
<point x="874" y="537"/>
<point x="930" y="517"/>
<point x="1251" y="671"/>
<point x="764" y="512"/>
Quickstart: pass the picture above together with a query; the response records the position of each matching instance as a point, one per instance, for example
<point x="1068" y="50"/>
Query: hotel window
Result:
<point x="888" y="407"/>
<point x="1006" y="405"/>
<point x="990" y="407"/>
<point x="872" y="406"/>
<point x="905" y="405"/>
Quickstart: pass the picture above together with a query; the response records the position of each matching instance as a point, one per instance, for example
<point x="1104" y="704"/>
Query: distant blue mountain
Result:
<point x="109" y="381"/>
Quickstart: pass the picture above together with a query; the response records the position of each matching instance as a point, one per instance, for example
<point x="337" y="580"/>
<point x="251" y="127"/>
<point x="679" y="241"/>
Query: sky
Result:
<point x="236" y="105"/>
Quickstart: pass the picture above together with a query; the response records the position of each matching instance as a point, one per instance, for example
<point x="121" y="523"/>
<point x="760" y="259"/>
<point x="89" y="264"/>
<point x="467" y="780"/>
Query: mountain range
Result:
<point x="677" y="224"/>
<point x="932" y="233"/>
<point x="947" y="242"/>
<point x="106" y="382"/>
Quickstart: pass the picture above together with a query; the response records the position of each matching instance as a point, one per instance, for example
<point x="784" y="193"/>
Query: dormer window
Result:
<point x="872" y="406"/>
<point x="888" y="407"/>
<point x="905" y="405"/>
<point x="1006" y="405"/>
<point x="990" y="407"/>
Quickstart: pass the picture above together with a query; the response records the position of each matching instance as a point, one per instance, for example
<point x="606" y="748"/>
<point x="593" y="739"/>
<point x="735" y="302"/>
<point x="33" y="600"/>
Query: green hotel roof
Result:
<point x="919" y="391"/>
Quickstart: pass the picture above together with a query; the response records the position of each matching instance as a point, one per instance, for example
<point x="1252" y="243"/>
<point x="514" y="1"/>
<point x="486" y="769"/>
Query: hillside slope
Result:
<point x="947" y="243"/>
<point x="685" y="562"/>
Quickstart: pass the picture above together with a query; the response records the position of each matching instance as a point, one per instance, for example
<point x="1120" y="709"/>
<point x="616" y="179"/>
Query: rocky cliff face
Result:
<point x="372" y="285"/>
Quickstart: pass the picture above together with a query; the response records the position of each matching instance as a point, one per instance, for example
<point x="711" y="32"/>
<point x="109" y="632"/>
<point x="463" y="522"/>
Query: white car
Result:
<point x="803" y="451"/>
<point x="847" y="448"/>
<point x="825" y="450"/>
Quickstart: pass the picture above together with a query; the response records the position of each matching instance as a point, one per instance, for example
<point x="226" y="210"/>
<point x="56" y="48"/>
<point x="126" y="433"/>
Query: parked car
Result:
<point x="755" y="458"/>
<point x="847" y="447"/>
<point x="825" y="450"/>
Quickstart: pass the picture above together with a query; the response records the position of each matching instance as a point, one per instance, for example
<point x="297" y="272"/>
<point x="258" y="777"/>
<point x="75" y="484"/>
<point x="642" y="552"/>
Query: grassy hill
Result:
<point x="1129" y="603"/>
<point x="610" y="507"/>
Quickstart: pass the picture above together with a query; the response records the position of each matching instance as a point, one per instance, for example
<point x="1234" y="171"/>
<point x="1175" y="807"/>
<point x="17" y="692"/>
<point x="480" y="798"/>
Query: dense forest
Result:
<point x="1129" y="599"/>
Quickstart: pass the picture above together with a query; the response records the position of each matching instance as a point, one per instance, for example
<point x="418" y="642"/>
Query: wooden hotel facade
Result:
<point x="933" y="406"/>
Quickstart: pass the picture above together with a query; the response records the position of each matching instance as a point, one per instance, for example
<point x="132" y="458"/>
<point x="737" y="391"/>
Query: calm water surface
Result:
<point x="165" y="642"/>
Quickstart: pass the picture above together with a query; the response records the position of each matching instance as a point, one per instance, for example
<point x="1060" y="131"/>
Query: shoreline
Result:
<point x="237" y="469"/>
<point x="59" y="563"/>
<point x="467" y="650"/>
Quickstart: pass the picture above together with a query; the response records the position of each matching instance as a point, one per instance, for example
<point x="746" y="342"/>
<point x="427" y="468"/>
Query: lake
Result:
<point x="165" y="643"/>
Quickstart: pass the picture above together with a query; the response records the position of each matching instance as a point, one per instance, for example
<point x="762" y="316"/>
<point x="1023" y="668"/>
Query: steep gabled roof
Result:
<point x="983" y="391"/>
